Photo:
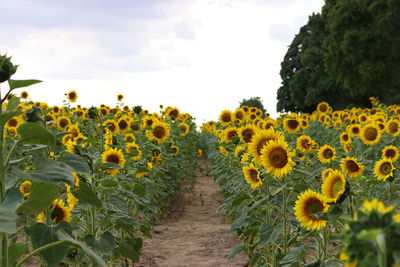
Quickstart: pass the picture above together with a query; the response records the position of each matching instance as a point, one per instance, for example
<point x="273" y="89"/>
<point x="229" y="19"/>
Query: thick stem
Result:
<point x="60" y="242"/>
<point x="285" y="248"/>
<point x="3" y="236"/>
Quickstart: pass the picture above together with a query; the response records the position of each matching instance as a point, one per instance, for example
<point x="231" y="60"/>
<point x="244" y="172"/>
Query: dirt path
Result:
<point x="193" y="234"/>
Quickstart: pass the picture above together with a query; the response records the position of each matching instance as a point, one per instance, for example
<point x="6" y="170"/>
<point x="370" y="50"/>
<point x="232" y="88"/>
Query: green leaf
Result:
<point x="8" y="220"/>
<point x="139" y="190"/>
<point x="126" y="222"/>
<point x="77" y="162"/>
<point x="34" y="133"/>
<point x="42" y="235"/>
<point x="13" y="103"/>
<point x="235" y="251"/>
<point x="4" y="117"/>
<point x="109" y="183"/>
<point x="243" y="196"/>
<point x="15" y="250"/>
<point x="369" y="234"/>
<point x="62" y="235"/>
<point x="102" y="246"/>
<point x="52" y="171"/>
<point x="145" y="230"/>
<point x="110" y="166"/>
<point x="12" y="199"/>
<point x="40" y="198"/>
<point x="264" y="234"/>
<point x="85" y="194"/>
<point x="295" y="254"/>
<point x="21" y="83"/>
<point x="127" y="251"/>
<point x="239" y="222"/>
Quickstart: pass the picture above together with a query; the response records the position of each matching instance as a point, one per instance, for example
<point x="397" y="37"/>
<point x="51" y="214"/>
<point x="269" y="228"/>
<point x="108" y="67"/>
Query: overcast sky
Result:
<point x="201" y="56"/>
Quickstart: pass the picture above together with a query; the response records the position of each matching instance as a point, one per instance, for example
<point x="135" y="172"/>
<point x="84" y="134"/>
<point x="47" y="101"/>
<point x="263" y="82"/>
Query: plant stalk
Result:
<point x="60" y="242"/>
<point x="285" y="248"/>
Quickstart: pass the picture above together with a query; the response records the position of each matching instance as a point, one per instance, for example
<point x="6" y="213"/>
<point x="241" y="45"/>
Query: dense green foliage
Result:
<point x="255" y="101"/>
<point x="344" y="55"/>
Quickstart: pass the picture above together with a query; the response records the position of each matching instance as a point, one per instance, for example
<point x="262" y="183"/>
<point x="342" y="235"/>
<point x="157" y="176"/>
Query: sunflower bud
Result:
<point x="34" y="114"/>
<point x="137" y="109"/>
<point x="7" y="69"/>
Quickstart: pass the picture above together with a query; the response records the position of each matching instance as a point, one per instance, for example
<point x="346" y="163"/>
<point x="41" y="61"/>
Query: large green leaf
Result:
<point x="297" y="253"/>
<point x="40" y="197"/>
<point x="264" y="234"/>
<point x="34" y="133"/>
<point x="15" y="250"/>
<point x="8" y="220"/>
<point x="128" y="251"/>
<point x="52" y="171"/>
<point x="13" y="103"/>
<point x="235" y="251"/>
<point x="42" y="235"/>
<point x="85" y="194"/>
<point x="96" y="258"/>
<point x="12" y="199"/>
<point x="21" y="83"/>
<point x="139" y="190"/>
<point x="104" y="245"/>
<point x="77" y="162"/>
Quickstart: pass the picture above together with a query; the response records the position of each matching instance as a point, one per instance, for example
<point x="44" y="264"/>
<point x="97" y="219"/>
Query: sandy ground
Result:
<point x="193" y="234"/>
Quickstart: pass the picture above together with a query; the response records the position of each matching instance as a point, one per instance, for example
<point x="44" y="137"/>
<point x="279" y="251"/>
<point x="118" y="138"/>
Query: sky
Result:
<point x="202" y="56"/>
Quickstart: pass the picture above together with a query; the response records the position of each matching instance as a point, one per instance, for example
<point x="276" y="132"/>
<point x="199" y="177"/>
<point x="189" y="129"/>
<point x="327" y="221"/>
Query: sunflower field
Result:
<point x="81" y="186"/>
<point x="314" y="189"/>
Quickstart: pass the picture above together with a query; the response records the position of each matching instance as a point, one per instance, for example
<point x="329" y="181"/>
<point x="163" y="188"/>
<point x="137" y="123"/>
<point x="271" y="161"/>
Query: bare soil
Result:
<point x="193" y="234"/>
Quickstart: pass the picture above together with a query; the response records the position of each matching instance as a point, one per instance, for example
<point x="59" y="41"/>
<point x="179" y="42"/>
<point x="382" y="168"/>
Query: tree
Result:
<point x="254" y="102"/>
<point x="305" y="82"/>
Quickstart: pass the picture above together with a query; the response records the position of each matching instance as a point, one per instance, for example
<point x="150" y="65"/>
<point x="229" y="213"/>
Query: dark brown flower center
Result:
<point x="253" y="175"/>
<point x="313" y="205"/>
<point x="113" y="158"/>
<point x="239" y="115"/>
<point x="292" y="124"/>
<point x="390" y="153"/>
<point x="226" y="117"/>
<point x="123" y="124"/>
<point x="159" y="132"/>
<point x="64" y="123"/>
<point x="385" y="168"/>
<point x="393" y="127"/>
<point x="371" y="134"/>
<point x="247" y="135"/>
<point x="351" y="166"/>
<point x="278" y="157"/>
<point x="327" y="153"/>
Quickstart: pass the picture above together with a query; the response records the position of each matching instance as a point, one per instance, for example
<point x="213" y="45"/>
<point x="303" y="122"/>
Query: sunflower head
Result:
<point x="24" y="95"/>
<point x="123" y="124"/>
<point x="276" y="158"/>
<point x="159" y="133"/>
<point x="247" y="132"/>
<point x="252" y="176"/>
<point x="111" y="125"/>
<point x="239" y="115"/>
<point x="345" y="138"/>
<point x="334" y="186"/>
<point x="199" y="153"/>
<point x="25" y="188"/>
<point x="370" y="134"/>
<point x="383" y="169"/>
<point x="323" y="107"/>
<point x="72" y="96"/>
<point x="225" y="117"/>
<point x="351" y="167"/>
<point x="392" y="127"/>
<point x="114" y="156"/>
<point x="183" y="129"/>
<point x="307" y="204"/>
<point x="260" y="139"/>
<point x="326" y="154"/>
<point x="305" y="143"/>
<point x="59" y="212"/>
<point x="223" y="151"/>
<point x="120" y="97"/>
<point x="391" y="153"/>
<point x="291" y="125"/>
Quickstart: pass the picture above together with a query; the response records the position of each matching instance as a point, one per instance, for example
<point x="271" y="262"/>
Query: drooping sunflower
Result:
<point x="111" y="125"/>
<point x="59" y="212"/>
<point x="392" y="127"/>
<point x="123" y="124"/>
<point x="326" y="154"/>
<point x="391" y="153"/>
<point x="115" y="156"/>
<point x="370" y="134"/>
<point x="160" y="132"/>
<point x="276" y="158"/>
<point x="334" y="186"/>
<point x="351" y="167"/>
<point x="72" y="96"/>
<point x="225" y="117"/>
<point x="383" y="169"/>
<point x="24" y="95"/>
<point x="25" y="188"/>
<point x="305" y="143"/>
<point x="63" y="122"/>
<point x="120" y="97"/>
<point x="306" y="205"/>
<point x="247" y="132"/>
<point x="291" y="125"/>
<point x="183" y="129"/>
<point x="259" y="140"/>
<point x="252" y="176"/>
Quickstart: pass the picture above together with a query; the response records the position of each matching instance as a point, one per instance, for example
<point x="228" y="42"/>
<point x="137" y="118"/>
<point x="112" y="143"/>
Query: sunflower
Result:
<point x="305" y="143"/>
<point x="252" y="176"/>
<point x="199" y="153"/>
<point x="223" y="151"/>
<point x="63" y="122"/>
<point x="392" y="127"/>
<point x="50" y="120"/>
<point x="354" y="130"/>
<point x="239" y="115"/>
<point x="115" y="156"/>
<point x="133" y="146"/>
<point x="370" y="134"/>
<point x="374" y="204"/>
<point x="71" y="199"/>
<point x="344" y="258"/>
<point x="175" y="150"/>
<point x="334" y="186"/>
<point x="292" y="125"/>
<point x="123" y="124"/>
<point x="103" y="111"/>
<point x="325" y="173"/>
<point x="59" y="212"/>
<point x="55" y="110"/>
<point x="25" y="188"/>
<point x="72" y="96"/>
<point x="111" y="125"/>
<point x="239" y="150"/>
<point x="277" y="158"/>
<point x="130" y="138"/>
<point x="345" y="138"/>
<point x="120" y="97"/>
<point x="14" y="123"/>
<point x="323" y="107"/>
<point x="24" y="95"/>
<point x="74" y="129"/>
<point x="352" y="167"/>
<point x="308" y="203"/>
<point x="247" y="132"/>
<point x="391" y="153"/>
<point x="260" y="139"/>
<point x="71" y="146"/>
<point x="160" y="132"/>
<point x="183" y="129"/>
<point x="148" y="121"/>
<point x="326" y="154"/>
<point x="383" y="169"/>
<point x="172" y="113"/>
<point x="225" y="117"/>
<point x="76" y="178"/>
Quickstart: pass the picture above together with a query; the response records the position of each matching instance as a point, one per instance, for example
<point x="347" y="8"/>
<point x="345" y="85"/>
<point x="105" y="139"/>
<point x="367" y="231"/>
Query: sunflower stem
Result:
<point x="285" y="245"/>
<point x="60" y="242"/>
